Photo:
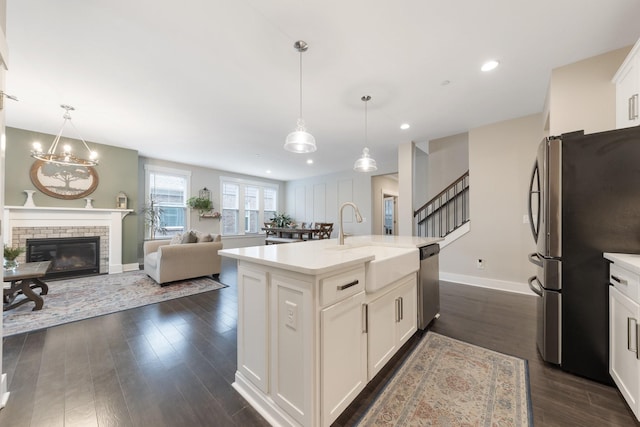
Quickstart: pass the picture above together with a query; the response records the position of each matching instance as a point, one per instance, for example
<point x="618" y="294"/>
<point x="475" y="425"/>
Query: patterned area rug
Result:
<point x="76" y="299"/>
<point x="445" y="382"/>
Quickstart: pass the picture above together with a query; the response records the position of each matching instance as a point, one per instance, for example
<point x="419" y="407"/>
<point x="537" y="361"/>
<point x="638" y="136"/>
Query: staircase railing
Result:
<point x="446" y="212"/>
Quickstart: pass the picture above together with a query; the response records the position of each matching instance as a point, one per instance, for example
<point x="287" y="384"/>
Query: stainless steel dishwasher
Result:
<point x="428" y="285"/>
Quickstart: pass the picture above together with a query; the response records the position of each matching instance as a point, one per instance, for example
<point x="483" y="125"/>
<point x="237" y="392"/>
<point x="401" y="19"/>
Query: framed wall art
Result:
<point x="63" y="181"/>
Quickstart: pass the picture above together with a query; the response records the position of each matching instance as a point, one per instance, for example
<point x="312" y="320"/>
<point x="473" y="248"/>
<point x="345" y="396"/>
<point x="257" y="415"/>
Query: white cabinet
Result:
<point x="627" y="81"/>
<point x="391" y="321"/>
<point x="305" y="348"/>
<point x="284" y="318"/>
<point x="343" y="355"/>
<point x="624" y="334"/>
<point x="253" y="327"/>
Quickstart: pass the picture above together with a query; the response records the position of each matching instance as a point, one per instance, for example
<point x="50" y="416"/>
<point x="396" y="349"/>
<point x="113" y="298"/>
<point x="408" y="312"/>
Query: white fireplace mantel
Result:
<point x="22" y="216"/>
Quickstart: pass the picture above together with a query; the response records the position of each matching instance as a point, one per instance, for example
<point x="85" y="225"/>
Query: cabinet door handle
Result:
<point x="397" y="310"/>
<point x="365" y="318"/>
<point x="630" y="108"/>
<point x="634" y="103"/>
<point x="637" y="340"/>
<point x="629" y="328"/>
<point x="619" y="280"/>
<point x="401" y="308"/>
<point x="348" y="285"/>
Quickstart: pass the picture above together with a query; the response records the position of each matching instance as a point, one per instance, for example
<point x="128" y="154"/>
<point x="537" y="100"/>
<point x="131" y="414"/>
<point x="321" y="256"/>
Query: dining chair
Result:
<point x="269" y="225"/>
<point x="325" y="229"/>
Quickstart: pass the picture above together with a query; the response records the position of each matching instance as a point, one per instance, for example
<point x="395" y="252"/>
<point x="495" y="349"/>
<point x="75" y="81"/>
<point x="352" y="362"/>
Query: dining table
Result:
<point x="289" y="232"/>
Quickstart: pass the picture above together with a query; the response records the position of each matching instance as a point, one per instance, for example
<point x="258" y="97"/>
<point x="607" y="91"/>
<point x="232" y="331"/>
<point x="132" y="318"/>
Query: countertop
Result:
<point x="321" y="256"/>
<point x="628" y="261"/>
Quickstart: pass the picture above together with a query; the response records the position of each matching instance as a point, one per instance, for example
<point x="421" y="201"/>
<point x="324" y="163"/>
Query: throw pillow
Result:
<point x="205" y="238"/>
<point x="217" y="238"/>
<point x="176" y="239"/>
<point x="189" y="237"/>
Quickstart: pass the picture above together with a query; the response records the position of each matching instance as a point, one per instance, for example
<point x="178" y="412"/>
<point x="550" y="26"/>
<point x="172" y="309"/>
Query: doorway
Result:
<point x="389" y="214"/>
<point x="384" y="204"/>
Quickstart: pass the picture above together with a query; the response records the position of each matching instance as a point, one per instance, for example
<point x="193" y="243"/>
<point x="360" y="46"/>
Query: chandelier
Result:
<point x="65" y="156"/>
<point x="365" y="163"/>
<point x="300" y="141"/>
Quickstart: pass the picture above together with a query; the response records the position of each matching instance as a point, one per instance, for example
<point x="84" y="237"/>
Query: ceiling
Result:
<point x="216" y="83"/>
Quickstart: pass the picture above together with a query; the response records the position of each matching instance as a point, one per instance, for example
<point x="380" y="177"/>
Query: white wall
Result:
<point x="318" y="199"/>
<point x="501" y="157"/>
<point x="4" y="393"/>
<point x="582" y="96"/>
<point x="406" y="165"/>
<point x="420" y="174"/>
<point x="448" y="160"/>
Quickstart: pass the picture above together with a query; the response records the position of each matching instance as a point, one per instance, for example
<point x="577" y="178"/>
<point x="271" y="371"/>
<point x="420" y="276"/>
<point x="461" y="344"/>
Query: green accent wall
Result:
<point x="117" y="171"/>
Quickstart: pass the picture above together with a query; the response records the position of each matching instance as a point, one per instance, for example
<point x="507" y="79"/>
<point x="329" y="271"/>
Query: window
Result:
<point x="230" y="208"/>
<point x="246" y="205"/>
<point x="251" y="209"/>
<point x="270" y="203"/>
<point x="168" y="188"/>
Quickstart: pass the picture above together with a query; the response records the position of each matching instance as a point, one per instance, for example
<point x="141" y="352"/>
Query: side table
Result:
<point x="24" y="279"/>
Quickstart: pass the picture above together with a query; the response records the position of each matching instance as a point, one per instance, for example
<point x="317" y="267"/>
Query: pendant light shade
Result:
<point x="300" y="141"/>
<point x="365" y="163"/>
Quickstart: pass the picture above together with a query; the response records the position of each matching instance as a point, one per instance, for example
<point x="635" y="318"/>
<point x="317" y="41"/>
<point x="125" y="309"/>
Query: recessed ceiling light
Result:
<point x="309" y="161"/>
<point x="405" y="126"/>
<point x="490" y="65"/>
<point x="268" y="171"/>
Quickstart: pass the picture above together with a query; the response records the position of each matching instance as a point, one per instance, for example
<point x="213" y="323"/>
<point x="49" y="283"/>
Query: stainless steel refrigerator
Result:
<point x="584" y="200"/>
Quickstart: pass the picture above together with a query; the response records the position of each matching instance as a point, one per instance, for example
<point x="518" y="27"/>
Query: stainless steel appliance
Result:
<point x="584" y="200"/>
<point x="428" y="285"/>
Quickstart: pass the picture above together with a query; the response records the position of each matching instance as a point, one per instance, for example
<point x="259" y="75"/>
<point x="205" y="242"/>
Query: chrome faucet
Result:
<point x="358" y="218"/>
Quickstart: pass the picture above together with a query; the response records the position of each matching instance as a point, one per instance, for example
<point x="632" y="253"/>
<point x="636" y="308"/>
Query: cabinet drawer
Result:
<point x="625" y="281"/>
<point x="342" y="285"/>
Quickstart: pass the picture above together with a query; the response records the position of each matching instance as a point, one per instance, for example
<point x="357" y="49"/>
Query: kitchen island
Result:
<point x="318" y="320"/>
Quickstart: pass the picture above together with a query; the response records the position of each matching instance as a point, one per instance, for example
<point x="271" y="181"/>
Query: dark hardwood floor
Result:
<point x="172" y="364"/>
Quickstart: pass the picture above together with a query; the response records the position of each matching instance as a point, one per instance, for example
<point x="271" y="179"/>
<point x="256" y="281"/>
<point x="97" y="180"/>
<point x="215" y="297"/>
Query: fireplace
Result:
<point x="69" y="256"/>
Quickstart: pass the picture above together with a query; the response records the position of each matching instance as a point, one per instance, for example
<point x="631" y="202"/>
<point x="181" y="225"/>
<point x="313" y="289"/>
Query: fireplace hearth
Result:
<point x="69" y="256"/>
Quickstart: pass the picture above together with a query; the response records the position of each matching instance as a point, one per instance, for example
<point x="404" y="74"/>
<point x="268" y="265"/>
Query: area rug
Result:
<point x="445" y="382"/>
<point x="81" y="298"/>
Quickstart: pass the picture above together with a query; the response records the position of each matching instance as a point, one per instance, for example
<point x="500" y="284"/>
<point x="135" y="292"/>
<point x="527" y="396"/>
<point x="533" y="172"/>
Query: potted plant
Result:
<point x="201" y="204"/>
<point x="281" y="220"/>
<point x="153" y="218"/>
<point x="10" y="255"/>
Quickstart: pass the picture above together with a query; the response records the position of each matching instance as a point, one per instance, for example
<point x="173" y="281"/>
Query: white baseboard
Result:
<point x="262" y="403"/>
<point x="484" y="282"/>
<point x="131" y="267"/>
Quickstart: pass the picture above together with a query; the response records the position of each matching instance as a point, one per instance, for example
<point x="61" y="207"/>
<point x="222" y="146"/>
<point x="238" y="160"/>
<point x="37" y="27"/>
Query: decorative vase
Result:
<point x="88" y="205"/>
<point x="10" y="264"/>
<point x="29" y="202"/>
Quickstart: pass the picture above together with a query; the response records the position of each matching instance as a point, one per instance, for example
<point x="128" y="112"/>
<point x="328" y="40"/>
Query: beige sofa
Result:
<point x="167" y="262"/>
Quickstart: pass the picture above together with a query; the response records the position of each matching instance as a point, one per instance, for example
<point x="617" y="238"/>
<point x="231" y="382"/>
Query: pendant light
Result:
<point x="365" y="163"/>
<point x="65" y="156"/>
<point x="300" y="141"/>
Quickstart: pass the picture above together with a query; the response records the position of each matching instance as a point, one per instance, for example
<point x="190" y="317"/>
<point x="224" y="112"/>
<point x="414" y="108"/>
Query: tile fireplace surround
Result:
<point x="21" y="223"/>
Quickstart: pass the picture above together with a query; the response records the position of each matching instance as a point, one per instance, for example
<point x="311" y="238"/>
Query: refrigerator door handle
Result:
<point x="535" y="179"/>
<point x="535" y="258"/>
<point x="536" y="289"/>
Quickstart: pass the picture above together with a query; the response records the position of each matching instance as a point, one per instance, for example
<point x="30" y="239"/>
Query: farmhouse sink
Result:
<point x="390" y="263"/>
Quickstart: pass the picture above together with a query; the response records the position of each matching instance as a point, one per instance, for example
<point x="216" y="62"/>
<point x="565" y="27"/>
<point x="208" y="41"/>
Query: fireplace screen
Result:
<point x="69" y="256"/>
